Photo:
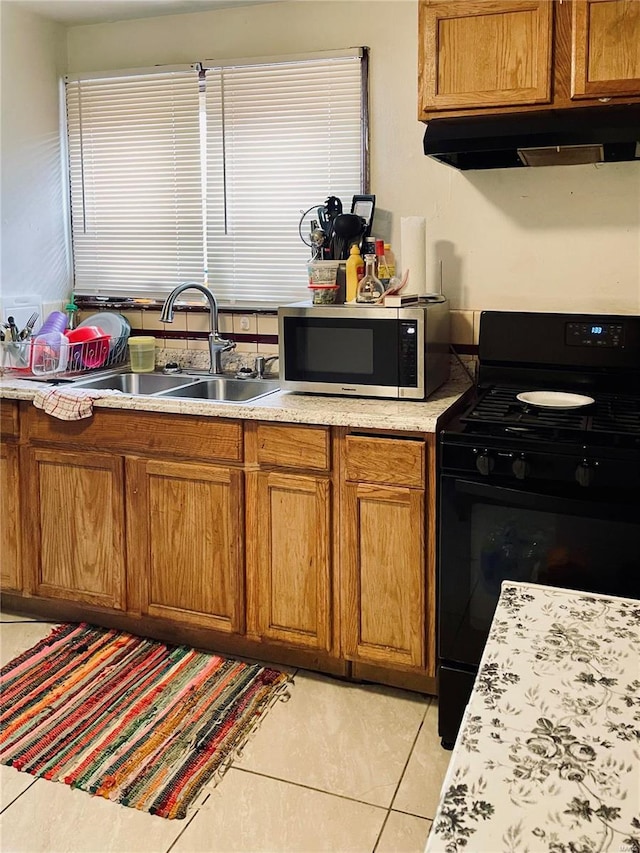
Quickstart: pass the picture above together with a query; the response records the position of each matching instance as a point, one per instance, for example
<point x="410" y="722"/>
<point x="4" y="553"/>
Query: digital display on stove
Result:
<point x="594" y="334"/>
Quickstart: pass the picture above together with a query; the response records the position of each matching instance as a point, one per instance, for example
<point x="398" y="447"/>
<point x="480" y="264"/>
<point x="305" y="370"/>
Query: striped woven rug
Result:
<point x="129" y="719"/>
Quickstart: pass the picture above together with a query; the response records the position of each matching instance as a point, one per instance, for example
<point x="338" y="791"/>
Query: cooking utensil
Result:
<point x="318" y="238"/>
<point x="348" y="228"/>
<point x="25" y="334"/>
<point x="13" y="329"/>
<point x="554" y="399"/>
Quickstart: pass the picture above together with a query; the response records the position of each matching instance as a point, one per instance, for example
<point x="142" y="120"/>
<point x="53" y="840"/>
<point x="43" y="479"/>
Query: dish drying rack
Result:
<point x="34" y="359"/>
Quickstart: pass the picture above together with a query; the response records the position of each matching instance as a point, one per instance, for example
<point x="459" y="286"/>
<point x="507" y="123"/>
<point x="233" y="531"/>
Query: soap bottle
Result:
<point x="370" y="288"/>
<point x="72" y="315"/>
<point x="355" y="271"/>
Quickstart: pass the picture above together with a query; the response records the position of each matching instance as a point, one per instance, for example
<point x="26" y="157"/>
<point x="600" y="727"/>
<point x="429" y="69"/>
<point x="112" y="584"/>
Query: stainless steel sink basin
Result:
<point x="225" y="390"/>
<point x="137" y="383"/>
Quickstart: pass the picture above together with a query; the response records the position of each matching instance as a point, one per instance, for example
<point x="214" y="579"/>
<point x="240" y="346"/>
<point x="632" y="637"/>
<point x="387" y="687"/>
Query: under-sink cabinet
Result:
<point x="185" y="540"/>
<point x="302" y="544"/>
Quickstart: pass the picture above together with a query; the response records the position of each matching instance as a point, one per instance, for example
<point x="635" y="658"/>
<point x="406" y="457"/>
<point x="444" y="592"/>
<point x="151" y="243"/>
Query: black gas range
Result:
<point x="536" y="492"/>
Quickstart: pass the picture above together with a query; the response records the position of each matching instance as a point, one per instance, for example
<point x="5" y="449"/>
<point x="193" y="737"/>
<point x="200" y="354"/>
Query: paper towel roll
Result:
<point x="413" y="252"/>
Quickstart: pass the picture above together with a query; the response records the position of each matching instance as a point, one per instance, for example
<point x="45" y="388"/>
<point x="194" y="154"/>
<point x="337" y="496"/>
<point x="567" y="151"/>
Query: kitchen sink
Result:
<point x="225" y="390"/>
<point x="137" y="383"/>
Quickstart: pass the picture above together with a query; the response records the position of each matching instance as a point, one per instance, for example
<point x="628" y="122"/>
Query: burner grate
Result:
<point x="499" y="412"/>
<point x="499" y="407"/>
<point x="618" y="415"/>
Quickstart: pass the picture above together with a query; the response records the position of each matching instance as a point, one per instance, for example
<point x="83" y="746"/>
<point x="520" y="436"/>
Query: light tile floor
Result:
<point x="339" y="767"/>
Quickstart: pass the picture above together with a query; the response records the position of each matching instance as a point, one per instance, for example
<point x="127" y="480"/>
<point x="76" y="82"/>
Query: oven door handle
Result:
<point x="546" y="502"/>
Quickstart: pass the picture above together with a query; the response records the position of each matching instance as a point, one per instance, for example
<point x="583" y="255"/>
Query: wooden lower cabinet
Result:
<point x="289" y="526"/>
<point x="383" y="575"/>
<point x="75" y="526"/>
<point x="10" y="520"/>
<point x="185" y="530"/>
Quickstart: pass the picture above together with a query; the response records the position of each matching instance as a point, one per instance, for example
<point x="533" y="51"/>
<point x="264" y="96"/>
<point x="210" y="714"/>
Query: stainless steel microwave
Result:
<point x="401" y="353"/>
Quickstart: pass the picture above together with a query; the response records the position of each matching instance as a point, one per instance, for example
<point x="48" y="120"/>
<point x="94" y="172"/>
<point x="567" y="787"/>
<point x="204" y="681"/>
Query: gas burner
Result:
<point x="613" y="419"/>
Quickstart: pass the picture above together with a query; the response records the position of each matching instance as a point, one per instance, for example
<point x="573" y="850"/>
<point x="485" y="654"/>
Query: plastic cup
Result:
<point x="142" y="352"/>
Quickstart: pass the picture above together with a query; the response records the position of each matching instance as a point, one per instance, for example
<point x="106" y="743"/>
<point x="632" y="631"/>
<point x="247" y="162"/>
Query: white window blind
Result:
<point x="292" y="135"/>
<point x="136" y="190"/>
<point x="175" y="173"/>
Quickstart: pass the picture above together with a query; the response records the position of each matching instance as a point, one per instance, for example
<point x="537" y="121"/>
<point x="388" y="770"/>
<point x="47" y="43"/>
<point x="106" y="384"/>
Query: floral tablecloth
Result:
<point x="548" y="755"/>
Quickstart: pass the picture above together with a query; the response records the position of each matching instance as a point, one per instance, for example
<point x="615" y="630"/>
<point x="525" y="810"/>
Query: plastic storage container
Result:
<point x="142" y="352"/>
<point x="323" y="273"/>
<point x="323" y="294"/>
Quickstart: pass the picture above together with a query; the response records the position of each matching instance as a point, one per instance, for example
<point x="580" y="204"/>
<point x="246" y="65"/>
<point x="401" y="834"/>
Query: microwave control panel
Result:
<point x="595" y="334"/>
<point x="408" y="367"/>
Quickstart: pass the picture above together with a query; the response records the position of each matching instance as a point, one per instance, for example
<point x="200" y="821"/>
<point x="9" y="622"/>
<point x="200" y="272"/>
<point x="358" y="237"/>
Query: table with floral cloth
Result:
<point x="548" y="754"/>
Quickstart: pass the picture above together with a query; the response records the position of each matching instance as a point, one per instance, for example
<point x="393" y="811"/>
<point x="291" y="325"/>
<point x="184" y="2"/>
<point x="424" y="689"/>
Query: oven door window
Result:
<point x="490" y="534"/>
<point x="363" y="352"/>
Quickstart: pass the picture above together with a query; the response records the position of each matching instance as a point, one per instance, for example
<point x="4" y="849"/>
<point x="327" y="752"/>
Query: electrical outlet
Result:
<point x="244" y="324"/>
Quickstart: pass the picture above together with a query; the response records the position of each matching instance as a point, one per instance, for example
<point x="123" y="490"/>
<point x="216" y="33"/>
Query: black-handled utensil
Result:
<point x="13" y="329"/>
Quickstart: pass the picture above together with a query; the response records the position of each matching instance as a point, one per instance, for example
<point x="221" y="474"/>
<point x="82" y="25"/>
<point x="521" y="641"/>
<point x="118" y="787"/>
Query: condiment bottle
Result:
<point x="355" y="271"/>
<point x="370" y="288"/>
<point x="391" y="259"/>
<point x="382" y="268"/>
<point x="72" y="315"/>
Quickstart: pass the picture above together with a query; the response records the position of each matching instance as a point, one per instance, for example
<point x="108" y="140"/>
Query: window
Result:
<point x="201" y="172"/>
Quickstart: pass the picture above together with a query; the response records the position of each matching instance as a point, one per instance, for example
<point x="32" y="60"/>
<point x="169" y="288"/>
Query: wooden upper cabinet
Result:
<point x="605" y="48"/>
<point x="485" y="53"/>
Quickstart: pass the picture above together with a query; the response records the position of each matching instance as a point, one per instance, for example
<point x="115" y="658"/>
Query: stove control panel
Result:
<point x="595" y="334"/>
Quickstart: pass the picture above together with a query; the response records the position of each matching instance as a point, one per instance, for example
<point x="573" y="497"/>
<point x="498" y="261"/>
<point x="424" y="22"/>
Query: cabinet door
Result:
<point x="383" y="575"/>
<point x="605" y="48"/>
<point x="76" y="520"/>
<point x="289" y="524"/>
<point x="186" y="533"/>
<point x="10" y="552"/>
<point x="483" y="53"/>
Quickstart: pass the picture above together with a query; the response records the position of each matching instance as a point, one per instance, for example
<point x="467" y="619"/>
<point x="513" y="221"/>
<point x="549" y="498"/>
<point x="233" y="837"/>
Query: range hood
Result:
<point x="539" y="138"/>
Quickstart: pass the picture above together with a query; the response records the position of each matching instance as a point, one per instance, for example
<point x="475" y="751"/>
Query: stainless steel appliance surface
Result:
<point x="546" y="493"/>
<point x="358" y="351"/>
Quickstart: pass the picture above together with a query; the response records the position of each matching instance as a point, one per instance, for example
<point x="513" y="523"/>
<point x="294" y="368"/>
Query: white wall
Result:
<point x="564" y="238"/>
<point x="558" y="238"/>
<point x="33" y="237"/>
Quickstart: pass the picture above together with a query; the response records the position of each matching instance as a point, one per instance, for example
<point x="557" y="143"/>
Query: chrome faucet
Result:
<point x="217" y="345"/>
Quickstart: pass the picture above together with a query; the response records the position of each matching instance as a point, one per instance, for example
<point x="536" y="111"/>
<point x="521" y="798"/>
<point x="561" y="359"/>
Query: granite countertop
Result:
<point x="283" y="406"/>
<point x="548" y="755"/>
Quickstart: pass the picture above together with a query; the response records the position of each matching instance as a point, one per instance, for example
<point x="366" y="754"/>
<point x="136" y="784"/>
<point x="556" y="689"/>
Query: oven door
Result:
<point x="375" y="353"/>
<point x="493" y="533"/>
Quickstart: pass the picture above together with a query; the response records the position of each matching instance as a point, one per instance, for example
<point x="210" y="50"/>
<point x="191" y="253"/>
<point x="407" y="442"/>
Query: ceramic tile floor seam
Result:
<point x="406" y="764"/>
<point x="8" y="806"/>
<point x="309" y="788"/>
<point x="186" y="825"/>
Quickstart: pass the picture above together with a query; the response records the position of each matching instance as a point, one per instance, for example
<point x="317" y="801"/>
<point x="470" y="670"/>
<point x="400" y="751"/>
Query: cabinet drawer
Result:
<point x="9" y="425"/>
<point x="172" y="436"/>
<point x="396" y="462"/>
<point x="289" y="446"/>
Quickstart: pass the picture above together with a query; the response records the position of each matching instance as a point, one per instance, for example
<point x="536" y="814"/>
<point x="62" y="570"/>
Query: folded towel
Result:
<point x="69" y="404"/>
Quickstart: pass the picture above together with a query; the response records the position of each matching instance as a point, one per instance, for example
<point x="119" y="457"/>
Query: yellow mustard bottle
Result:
<point x="354" y="271"/>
